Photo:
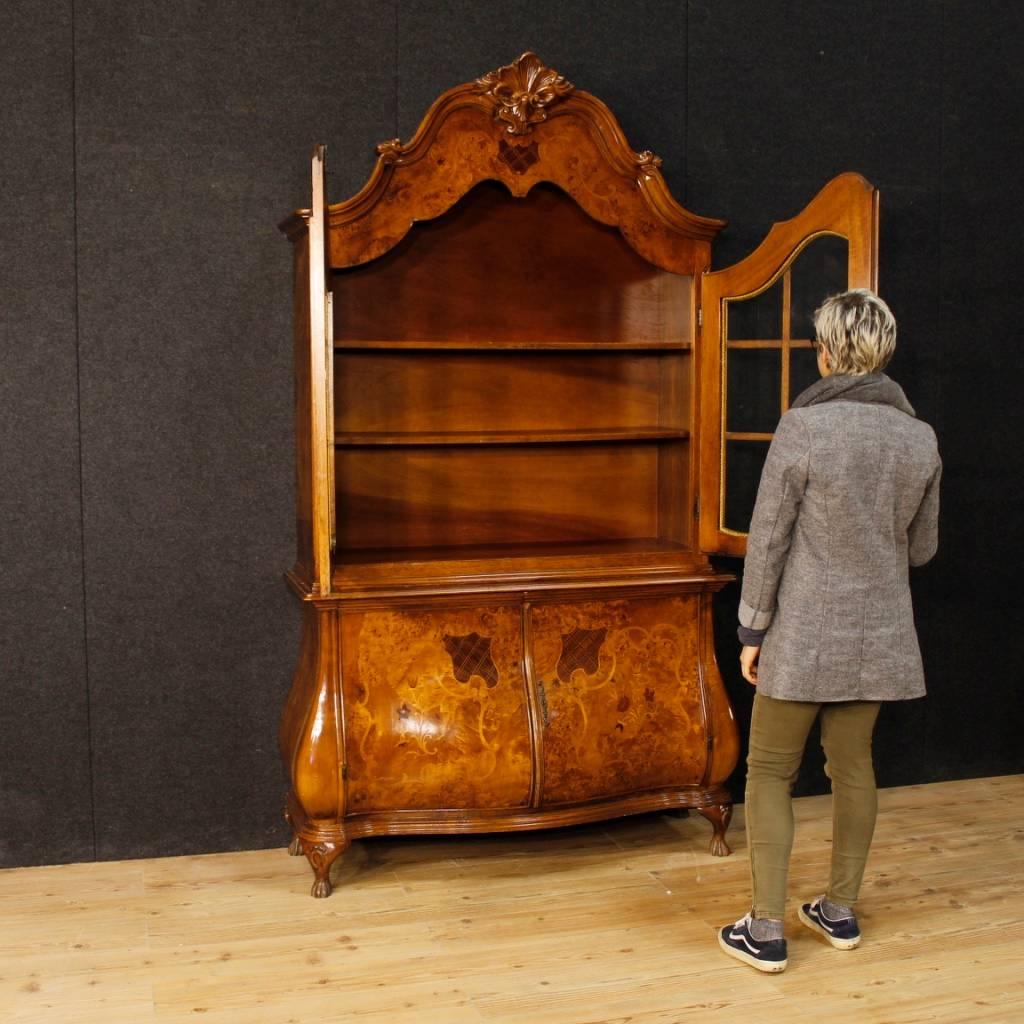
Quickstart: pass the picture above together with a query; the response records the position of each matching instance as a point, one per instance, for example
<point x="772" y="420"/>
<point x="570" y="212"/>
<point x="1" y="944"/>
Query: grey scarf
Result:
<point x="870" y="388"/>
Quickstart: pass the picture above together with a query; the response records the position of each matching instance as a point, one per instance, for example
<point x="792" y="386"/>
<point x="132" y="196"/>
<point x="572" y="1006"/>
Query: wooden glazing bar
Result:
<point x="771" y="343"/>
<point x="741" y="435"/>
<point x="787" y="320"/>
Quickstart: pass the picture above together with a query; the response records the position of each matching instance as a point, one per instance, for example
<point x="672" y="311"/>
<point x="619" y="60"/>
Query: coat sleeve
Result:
<point x="923" y="532"/>
<point x="783" y="481"/>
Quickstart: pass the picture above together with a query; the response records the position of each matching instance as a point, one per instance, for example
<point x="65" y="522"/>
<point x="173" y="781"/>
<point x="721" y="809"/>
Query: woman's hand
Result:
<point x="748" y="663"/>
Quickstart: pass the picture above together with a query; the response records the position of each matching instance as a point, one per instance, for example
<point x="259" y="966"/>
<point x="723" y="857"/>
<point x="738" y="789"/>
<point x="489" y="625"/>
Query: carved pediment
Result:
<point x="487" y="130"/>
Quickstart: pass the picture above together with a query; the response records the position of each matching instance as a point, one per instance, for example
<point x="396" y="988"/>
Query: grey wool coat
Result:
<point x="848" y="500"/>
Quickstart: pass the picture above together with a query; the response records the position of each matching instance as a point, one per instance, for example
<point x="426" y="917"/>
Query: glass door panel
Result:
<point x="757" y="351"/>
<point x="803" y="371"/>
<point x="752" y="386"/>
<point x="744" y="460"/>
<point x="756" y="316"/>
<point x="762" y="375"/>
<point x="819" y="270"/>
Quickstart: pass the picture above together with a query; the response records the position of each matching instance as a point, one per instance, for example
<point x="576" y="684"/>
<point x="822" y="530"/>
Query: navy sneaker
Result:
<point x="843" y="933"/>
<point x="767" y="955"/>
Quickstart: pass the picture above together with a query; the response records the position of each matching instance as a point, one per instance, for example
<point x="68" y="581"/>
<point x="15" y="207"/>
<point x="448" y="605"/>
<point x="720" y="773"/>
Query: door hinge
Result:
<point x="344" y="771"/>
<point x="696" y="509"/>
<point x="700" y="316"/>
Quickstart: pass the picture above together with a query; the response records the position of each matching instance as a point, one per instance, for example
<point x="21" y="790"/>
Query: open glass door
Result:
<point x="757" y="353"/>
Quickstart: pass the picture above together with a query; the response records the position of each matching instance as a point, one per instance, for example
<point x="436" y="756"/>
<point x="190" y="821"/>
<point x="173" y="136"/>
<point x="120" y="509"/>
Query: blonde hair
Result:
<point x="857" y="331"/>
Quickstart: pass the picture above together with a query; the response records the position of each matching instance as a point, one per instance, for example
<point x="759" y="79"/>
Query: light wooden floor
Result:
<point x="609" y="924"/>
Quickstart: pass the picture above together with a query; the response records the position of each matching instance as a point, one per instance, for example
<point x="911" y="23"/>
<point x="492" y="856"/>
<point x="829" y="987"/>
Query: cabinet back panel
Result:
<point x="505" y="494"/>
<point x="674" y="499"/>
<point x="498" y="268"/>
<point x="459" y="391"/>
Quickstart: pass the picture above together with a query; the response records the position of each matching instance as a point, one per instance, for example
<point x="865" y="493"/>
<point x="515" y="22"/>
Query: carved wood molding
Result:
<point x="424" y="177"/>
<point x="846" y="206"/>
<point x="459" y="820"/>
<point x="522" y="91"/>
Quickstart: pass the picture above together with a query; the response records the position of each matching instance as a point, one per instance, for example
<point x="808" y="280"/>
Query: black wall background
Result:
<point x="147" y="151"/>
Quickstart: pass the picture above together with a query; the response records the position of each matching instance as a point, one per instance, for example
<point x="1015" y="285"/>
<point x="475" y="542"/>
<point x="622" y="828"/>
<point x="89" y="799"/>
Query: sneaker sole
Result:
<point x="765" y="966"/>
<point x="833" y="941"/>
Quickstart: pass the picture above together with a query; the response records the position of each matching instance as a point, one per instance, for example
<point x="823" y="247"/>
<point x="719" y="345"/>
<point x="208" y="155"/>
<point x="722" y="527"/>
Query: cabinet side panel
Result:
<point x="303" y="411"/>
<point x="312" y="734"/>
<point x="302" y="694"/>
<point x="721" y="719"/>
<point x="622" y="690"/>
<point x="436" y="709"/>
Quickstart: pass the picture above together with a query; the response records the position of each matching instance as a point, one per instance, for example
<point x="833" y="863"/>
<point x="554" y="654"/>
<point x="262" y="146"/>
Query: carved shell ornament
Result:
<point x="522" y="91"/>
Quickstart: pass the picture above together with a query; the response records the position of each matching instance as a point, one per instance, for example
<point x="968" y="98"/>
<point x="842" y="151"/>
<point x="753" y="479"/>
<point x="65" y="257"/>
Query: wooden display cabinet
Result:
<point x="515" y="452"/>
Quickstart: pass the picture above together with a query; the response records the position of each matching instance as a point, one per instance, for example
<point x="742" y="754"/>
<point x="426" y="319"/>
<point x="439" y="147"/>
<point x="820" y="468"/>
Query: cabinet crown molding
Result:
<point x="521" y="124"/>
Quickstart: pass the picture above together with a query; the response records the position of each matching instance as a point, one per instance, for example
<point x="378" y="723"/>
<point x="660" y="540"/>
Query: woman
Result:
<point x="849" y="497"/>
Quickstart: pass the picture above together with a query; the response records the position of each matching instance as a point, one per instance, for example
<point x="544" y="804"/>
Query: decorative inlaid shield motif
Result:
<point x="471" y="656"/>
<point x="580" y="649"/>
<point x="518" y="158"/>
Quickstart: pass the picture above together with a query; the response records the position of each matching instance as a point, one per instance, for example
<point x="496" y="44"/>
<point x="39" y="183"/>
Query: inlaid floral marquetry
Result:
<point x="625" y="712"/>
<point x="436" y="709"/>
<point x="522" y="92"/>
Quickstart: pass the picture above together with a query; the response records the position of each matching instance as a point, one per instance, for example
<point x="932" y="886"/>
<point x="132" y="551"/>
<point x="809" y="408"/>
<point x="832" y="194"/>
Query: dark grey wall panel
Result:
<point x="45" y="801"/>
<point x="781" y="101"/>
<point x="980" y="717"/>
<point x="195" y="122"/>
<point x="633" y="56"/>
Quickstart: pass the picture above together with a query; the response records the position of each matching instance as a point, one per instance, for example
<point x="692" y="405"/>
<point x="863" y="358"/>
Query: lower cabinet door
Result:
<point x="435" y="709"/>
<point x="620" y="698"/>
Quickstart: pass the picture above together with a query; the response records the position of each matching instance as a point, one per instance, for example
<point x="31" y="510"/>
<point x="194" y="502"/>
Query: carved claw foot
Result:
<point x="321" y="856"/>
<point x="719" y="815"/>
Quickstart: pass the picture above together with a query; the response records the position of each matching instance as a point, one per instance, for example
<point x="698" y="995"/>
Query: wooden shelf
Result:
<point x="527" y="345"/>
<point x="360" y="439"/>
<point x="516" y="564"/>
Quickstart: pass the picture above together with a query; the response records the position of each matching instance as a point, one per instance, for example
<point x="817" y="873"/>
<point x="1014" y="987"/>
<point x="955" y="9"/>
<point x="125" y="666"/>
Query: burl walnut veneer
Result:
<point x="513" y="460"/>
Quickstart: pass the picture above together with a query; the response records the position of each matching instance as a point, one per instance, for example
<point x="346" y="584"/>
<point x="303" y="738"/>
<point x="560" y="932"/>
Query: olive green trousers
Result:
<point x="778" y="735"/>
